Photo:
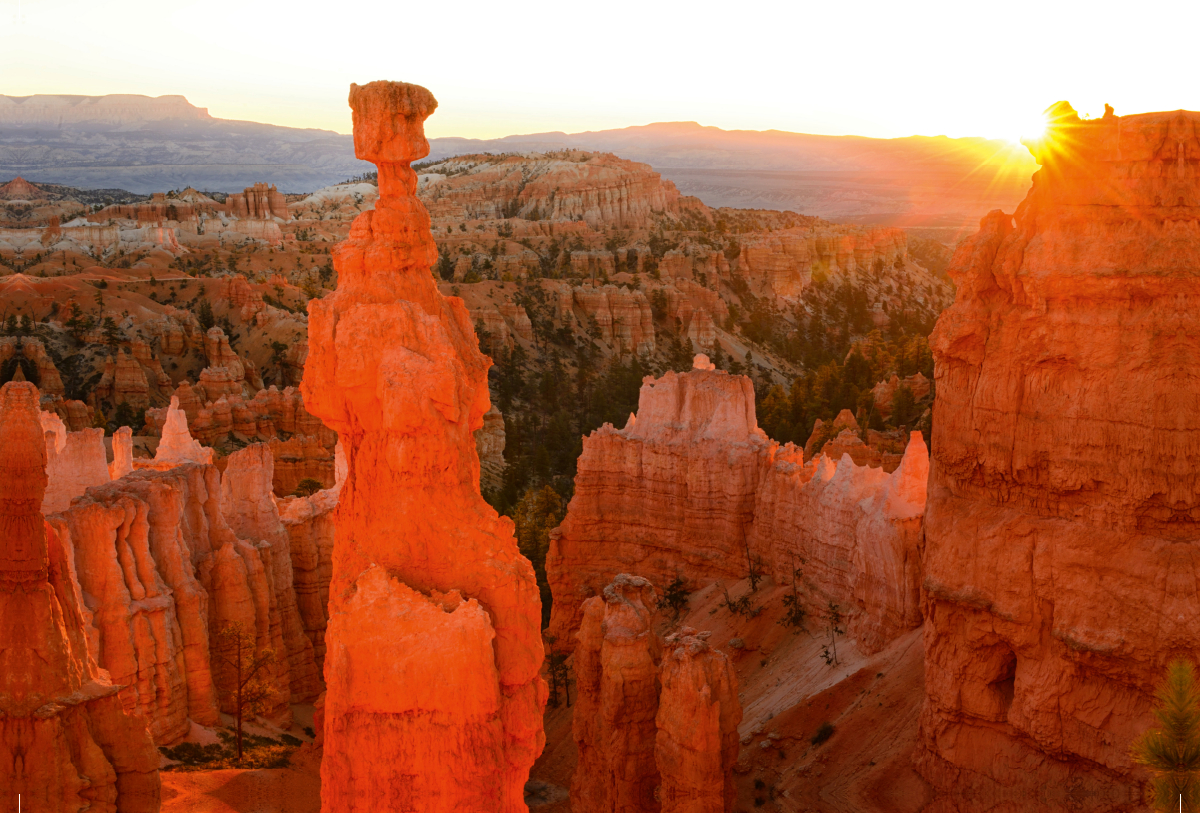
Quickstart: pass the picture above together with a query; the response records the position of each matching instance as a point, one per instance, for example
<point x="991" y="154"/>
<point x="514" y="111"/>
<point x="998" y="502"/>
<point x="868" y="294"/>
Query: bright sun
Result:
<point x="1032" y="129"/>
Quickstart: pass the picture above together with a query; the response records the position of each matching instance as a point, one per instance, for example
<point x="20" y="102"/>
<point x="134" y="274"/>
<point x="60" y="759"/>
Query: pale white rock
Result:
<point x="177" y="446"/>
<point x="75" y="461"/>
<point x="122" y="446"/>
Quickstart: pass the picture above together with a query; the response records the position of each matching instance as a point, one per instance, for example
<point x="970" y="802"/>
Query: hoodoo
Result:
<point x="66" y="743"/>
<point x="1060" y="560"/>
<point x="434" y="701"/>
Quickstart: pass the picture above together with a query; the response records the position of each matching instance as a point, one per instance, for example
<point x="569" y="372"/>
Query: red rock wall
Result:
<point x="671" y="494"/>
<point x="655" y="728"/>
<point x="258" y="202"/>
<point x="310" y="529"/>
<point x="66" y="744"/>
<point x="169" y="557"/>
<point x="691" y="488"/>
<point x="1060" y="563"/>
<point x="782" y="264"/>
<point x="599" y="189"/>
<point x="433" y="649"/>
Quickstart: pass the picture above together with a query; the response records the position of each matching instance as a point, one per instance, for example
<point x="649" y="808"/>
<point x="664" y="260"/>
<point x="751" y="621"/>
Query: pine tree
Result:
<point x="250" y="671"/>
<point x="1171" y="751"/>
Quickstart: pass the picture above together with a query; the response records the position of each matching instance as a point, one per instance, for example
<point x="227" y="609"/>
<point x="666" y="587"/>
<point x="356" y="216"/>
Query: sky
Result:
<point x="864" y="68"/>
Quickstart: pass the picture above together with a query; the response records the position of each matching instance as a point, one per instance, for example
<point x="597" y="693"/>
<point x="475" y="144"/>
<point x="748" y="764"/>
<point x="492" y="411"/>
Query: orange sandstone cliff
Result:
<point x="1060" y="559"/>
<point x="433" y="648"/>
<point x="66" y="743"/>
<point x="671" y="494"/>
<point x="692" y="489"/>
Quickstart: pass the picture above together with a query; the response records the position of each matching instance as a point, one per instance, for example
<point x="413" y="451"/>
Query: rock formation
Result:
<point x="698" y="715"/>
<point x="622" y="317"/>
<point x="122" y="446"/>
<point x="433" y="649"/>
<point x="885" y="391"/>
<point x="164" y="560"/>
<point x="303" y="447"/>
<point x="489" y="445"/>
<point x="31" y="355"/>
<point x="616" y="668"/>
<point x="597" y="188"/>
<point x="260" y="202"/>
<point x="176" y="447"/>
<point x="310" y="529"/>
<point x="655" y="728"/>
<point x="66" y="744"/>
<point x="248" y="505"/>
<point x="75" y="462"/>
<point x="671" y="494"/>
<point x="783" y="264"/>
<point x="1060" y="563"/>
<point x="855" y="533"/>
<point x="692" y="489"/>
<point x="123" y="382"/>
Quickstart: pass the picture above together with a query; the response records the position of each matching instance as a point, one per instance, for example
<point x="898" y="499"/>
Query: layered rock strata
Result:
<point x="489" y="444"/>
<point x="75" y="461"/>
<point x="66" y="743"/>
<point x="853" y="532"/>
<point x="672" y="494"/>
<point x="163" y="561"/>
<point x="433" y="647"/>
<point x="248" y="505"/>
<point x="692" y="489"/>
<point x="1063" y="503"/>
<point x="310" y="529"/>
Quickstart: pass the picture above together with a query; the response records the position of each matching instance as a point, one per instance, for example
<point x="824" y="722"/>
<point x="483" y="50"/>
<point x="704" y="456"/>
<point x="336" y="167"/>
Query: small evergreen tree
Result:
<point x="833" y="621"/>
<point x="539" y="511"/>
<point x="675" y="597"/>
<point x="250" y="667"/>
<point x="307" y="487"/>
<point x="1171" y="751"/>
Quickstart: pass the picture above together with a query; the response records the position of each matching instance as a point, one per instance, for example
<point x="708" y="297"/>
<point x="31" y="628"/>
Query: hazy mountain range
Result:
<point x="146" y="144"/>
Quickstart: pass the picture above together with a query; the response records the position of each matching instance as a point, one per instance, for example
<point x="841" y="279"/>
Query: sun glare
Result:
<point x="1031" y="130"/>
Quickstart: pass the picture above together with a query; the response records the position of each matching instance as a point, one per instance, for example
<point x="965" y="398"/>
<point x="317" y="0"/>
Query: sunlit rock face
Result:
<point x="671" y="494"/>
<point x="691" y="488"/>
<point x="1060" y="564"/>
<point x="433" y="646"/>
<point x="66" y="743"/>
<point x="164" y="561"/>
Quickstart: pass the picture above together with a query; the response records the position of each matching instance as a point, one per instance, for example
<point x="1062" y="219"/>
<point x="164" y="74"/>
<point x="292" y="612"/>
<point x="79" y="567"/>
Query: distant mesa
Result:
<point x="918" y="180"/>
<point x="57" y="110"/>
<point x="144" y="144"/>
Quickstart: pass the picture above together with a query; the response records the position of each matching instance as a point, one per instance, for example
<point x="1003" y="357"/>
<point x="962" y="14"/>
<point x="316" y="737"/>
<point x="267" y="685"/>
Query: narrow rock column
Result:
<point x="698" y="715"/>
<point x="122" y="445"/>
<point x="434" y="701"/>
<point x="616" y="664"/>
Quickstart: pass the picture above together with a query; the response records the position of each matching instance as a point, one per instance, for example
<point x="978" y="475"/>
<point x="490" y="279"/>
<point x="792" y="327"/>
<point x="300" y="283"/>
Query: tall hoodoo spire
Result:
<point x="433" y="647"/>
